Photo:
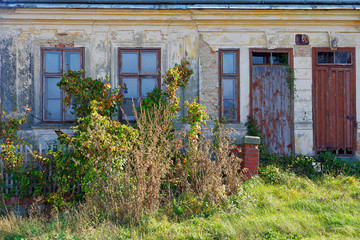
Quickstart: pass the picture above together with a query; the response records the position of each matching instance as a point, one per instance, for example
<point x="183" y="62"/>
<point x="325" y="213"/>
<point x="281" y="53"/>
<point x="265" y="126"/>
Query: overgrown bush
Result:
<point x="81" y="91"/>
<point x="96" y="149"/>
<point x="331" y="164"/>
<point x="296" y="163"/>
<point x="9" y="126"/>
<point x="129" y="171"/>
<point x="28" y="178"/>
<point x="271" y="174"/>
<point x="325" y="163"/>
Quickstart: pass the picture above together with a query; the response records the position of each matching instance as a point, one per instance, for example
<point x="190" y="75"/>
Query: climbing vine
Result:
<point x="290" y="76"/>
<point x="176" y="77"/>
<point x="290" y="79"/>
<point x="196" y="115"/>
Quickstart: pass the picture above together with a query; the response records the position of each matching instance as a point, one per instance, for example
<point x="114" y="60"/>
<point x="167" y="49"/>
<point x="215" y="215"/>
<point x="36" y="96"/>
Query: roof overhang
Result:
<point x="179" y="6"/>
<point x="186" y="4"/>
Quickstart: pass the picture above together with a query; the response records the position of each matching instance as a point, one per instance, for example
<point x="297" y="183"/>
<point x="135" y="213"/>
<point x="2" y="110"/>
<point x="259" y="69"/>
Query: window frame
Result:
<point x="327" y="50"/>
<point x="45" y="75"/>
<point x="139" y="75"/>
<point x="235" y="76"/>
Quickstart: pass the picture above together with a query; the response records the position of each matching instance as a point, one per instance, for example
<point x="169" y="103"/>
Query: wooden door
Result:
<point x="271" y="101"/>
<point x="334" y="101"/>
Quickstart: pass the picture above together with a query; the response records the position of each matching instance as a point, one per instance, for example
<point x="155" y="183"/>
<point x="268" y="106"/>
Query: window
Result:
<point x="339" y="57"/>
<point x="56" y="62"/>
<point x="139" y="71"/>
<point x="229" y="84"/>
<point x="270" y="58"/>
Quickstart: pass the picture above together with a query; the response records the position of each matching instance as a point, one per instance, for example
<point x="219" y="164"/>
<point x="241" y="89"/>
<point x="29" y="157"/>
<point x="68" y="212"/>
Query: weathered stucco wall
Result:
<point x="194" y="34"/>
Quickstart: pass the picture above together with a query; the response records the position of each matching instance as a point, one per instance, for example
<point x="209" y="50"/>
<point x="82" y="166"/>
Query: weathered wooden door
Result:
<point x="334" y="101"/>
<point x="271" y="101"/>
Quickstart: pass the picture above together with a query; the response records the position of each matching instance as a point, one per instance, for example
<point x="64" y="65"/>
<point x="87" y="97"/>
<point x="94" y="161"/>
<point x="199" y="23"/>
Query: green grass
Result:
<point x="292" y="208"/>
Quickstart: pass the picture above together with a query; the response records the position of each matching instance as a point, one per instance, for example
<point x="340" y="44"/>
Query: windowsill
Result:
<point x="234" y="125"/>
<point x="47" y="125"/>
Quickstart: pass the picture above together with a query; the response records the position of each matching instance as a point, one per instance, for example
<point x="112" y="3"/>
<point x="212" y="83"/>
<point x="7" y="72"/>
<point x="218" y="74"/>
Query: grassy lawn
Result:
<point x="289" y="207"/>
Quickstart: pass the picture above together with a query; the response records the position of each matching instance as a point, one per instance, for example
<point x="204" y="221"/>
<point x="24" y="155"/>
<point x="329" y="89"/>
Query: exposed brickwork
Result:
<point x="21" y="201"/>
<point x="250" y="155"/>
<point x="209" y="84"/>
<point x="65" y="45"/>
<point x="21" y="206"/>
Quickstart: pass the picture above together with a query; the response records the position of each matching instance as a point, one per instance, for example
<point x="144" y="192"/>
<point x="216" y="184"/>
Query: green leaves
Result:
<point x="81" y="91"/>
<point x="196" y="115"/>
<point x="175" y="78"/>
<point x="97" y="146"/>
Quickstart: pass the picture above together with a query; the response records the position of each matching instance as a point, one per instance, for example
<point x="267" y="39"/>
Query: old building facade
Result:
<point x="241" y="54"/>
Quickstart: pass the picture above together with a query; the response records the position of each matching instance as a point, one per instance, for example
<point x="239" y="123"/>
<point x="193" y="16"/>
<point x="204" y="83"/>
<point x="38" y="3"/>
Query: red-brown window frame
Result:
<point x="237" y="83"/>
<point x="45" y="75"/>
<point x="317" y="50"/>
<point x="139" y="75"/>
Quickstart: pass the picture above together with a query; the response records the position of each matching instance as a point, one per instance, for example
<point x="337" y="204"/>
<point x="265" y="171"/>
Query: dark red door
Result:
<point x="271" y="102"/>
<point x="334" y="108"/>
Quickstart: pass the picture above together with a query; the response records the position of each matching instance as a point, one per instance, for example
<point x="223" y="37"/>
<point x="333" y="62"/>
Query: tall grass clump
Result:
<point x="211" y="170"/>
<point x="135" y="189"/>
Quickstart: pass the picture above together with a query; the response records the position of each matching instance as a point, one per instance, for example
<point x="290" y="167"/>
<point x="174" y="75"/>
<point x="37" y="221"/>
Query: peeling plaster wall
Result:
<point x="209" y="81"/>
<point x="193" y="34"/>
<point x="8" y="51"/>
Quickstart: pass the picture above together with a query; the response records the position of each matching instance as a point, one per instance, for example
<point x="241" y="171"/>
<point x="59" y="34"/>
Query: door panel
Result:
<point x="334" y="105"/>
<point x="271" y="105"/>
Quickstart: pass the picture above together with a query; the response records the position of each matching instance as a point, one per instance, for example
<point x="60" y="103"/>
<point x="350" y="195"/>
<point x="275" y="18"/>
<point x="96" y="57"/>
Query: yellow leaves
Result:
<point x="27" y="109"/>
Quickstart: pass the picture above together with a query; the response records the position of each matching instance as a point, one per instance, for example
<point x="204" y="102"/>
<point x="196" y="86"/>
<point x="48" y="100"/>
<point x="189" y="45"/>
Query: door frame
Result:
<point x="291" y="64"/>
<point x="352" y="66"/>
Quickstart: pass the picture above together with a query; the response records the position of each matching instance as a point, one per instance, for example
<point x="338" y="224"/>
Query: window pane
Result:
<point x="148" y="84"/>
<point x="343" y="57"/>
<point x="131" y="87"/>
<point x="127" y="106"/>
<point x="129" y="62"/>
<point x="260" y="58"/>
<point x="52" y="90"/>
<point x="228" y="88"/>
<point x="73" y="61"/>
<point x="325" y="57"/>
<point x="52" y="61"/>
<point x="53" y="109"/>
<point x="69" y="116"/>
<point x="148" y="62"/>
<point x="280" y="58"/>
<point x="229" y="62"/>
<point x="229" y="109"/>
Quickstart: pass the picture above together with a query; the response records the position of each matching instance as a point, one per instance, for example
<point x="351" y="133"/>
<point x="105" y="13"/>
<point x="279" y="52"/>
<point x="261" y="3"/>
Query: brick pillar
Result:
<point x="250" y="155"/>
